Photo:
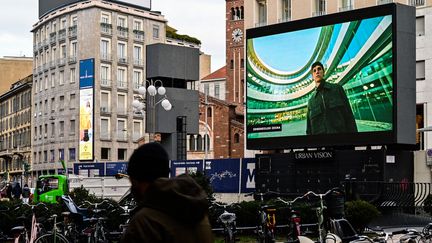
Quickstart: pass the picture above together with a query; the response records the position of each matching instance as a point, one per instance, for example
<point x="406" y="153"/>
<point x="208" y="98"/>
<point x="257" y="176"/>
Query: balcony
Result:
<point x="121" y="84"/>
<point x="53" y="38"/>
<point x="346" y="8"/>
<point x="318" y="13"/>
<point x="53" y="64"/>
<point x="259" y="24"/>
<point x="123" y="32"/>
<point x="138" y="35"/>
<point x="72" y="59"/>
<point x="284" y="19"/>
<point x="121" y="135"/>
<point x="104" y="110"/>
<point x="62" y="35"/>
<point x="138" y="62"/>
<point x="45" y="44"/>
<point x="416" y="3"/>
<point x="105" y="57"/>
<point x="105" y="82"/>
<point x="105" y="136"/>
<point x="379" y="2"/>
<point x="72" y="31"/>
<point x="106" y="28"/>
<point x="62" y="61"/>
<point x="122" y="60"/>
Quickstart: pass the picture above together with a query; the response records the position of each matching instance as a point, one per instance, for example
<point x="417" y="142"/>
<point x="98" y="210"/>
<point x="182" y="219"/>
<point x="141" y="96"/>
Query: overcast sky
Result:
<point x="203" y="19"/>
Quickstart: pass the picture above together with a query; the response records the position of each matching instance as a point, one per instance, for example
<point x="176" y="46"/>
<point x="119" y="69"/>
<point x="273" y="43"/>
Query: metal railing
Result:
<point x="416" y="3"/>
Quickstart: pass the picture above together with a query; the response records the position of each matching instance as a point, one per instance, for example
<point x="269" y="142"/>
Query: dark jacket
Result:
<point x="26" y="192"/>
<point x="329" y="111"/>
<point x="173" y="210"/>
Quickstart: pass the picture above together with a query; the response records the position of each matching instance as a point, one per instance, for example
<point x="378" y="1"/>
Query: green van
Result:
<point x="50" y="188"/>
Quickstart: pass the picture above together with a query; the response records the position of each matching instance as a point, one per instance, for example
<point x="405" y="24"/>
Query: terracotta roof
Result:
<point x="218" y="74"/>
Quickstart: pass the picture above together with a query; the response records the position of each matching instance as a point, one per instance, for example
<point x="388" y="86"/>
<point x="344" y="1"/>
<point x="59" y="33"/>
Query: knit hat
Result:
<point x="148" y="162"/>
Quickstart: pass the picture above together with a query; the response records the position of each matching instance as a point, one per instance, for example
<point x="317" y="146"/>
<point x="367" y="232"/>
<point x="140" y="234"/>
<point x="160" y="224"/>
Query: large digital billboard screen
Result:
<point x="326" y="80"/>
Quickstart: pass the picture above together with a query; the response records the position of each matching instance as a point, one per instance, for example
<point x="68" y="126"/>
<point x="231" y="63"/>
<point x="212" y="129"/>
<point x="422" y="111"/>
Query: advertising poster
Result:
<point x="224" y="174"/>
<point x="86" y="111"/>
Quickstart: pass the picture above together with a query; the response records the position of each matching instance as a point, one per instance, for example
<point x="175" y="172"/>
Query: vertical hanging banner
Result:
<point x="86" y="84"/>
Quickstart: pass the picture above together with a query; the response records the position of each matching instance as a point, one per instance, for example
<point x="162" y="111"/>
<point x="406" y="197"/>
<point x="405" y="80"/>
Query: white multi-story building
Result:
<point x="114" y="35"/>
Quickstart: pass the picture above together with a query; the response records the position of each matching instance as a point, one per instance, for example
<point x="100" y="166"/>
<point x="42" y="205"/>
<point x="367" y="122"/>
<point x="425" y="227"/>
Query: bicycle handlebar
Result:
<point x="96" y="204"/>
<point x="320" y="194"/>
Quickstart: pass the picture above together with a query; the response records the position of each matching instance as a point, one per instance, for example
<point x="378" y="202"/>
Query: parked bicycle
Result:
<point x="228" y="221"/>
<point x="24" y="234"/>
<point x="54" y="236"/>
<point x="338" y="230"/>
<point x="265" y="230"/>
<point x="96" y="230"/>
<point x="294" y="229"/>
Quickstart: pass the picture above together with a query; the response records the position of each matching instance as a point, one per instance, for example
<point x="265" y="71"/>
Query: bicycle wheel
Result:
<point x="51" y="238"/>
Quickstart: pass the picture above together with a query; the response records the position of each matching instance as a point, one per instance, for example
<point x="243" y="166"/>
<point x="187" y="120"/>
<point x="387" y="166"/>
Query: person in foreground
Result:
<point x="169" y="209"/>
<point x="329" y="110"/>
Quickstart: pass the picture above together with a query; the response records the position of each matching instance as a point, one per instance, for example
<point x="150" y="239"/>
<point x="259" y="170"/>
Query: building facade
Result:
<point x="13" y="69"/>
<point x="114" y="36"/>
<point x="15" y="130"/>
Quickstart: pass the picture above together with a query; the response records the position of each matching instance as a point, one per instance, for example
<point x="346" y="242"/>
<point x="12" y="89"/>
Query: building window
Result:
<point x="192" y="143"/>
<point x="206" y="89"/>
<point x="206" y="142"/>
<point x="286" y="10"/>
<point x="61" y="102"/>
<point x="104" y="102"/>
<point x="52" y="154"/>
<point x="61" y="129"/>
<point x="231" y="64"/>
<point x="155" y="31"/>
<point x="61" y="77"/>
<point x="105" y="128"/>
<point x="137" y="79"/>
<point x="262" y="12"/>
<point x="236" y="138"/>
<point x="72" y="127"/>
<point x="242" y="63"/>
<point x="420" y="70"/>
<point x="71" y="154"/>
<point x="72" y="75"/>
<point x="199" y="143"/>
<point x="121" y="154"/>
<point x="320" y="8"/>
<point x="105" y="50"/>
<point x="105" y="18"/>
<point x="105" y="75"/>
<point x="345" y="5"/>
<point x="72" y="101"/>
<point x="121" y="78"/>
<point x="209" y="112"/>
<point x="137" y="130"/>
<point x="61" y="154"/>
<point x="105" y="153"/>
<point x="121" y="103"/>
<point x="420" y="28"/>
<point x="217" y="91"/>
<point x="137" y="55"/>
<point x="121" y="50"/>
<point x="122" y="21"/>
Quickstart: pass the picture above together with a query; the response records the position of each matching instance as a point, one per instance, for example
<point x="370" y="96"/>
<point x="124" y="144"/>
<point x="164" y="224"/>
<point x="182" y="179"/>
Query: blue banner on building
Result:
<point x="86" y="71"/>
<point x="113" y="168"/>
<point x="89" y="169"/>
<point x="223" y="174"/>
<point x="179" y="167"/>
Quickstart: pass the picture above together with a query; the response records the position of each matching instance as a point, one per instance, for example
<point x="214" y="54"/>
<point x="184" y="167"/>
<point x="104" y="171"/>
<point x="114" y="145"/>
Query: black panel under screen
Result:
<point x="277" y="102"/>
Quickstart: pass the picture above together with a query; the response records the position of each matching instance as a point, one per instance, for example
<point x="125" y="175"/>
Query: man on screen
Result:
<point x="328" y="108"/>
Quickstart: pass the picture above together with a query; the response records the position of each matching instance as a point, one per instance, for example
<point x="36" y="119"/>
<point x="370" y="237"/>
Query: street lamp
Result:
<point x="139" y="102"/>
